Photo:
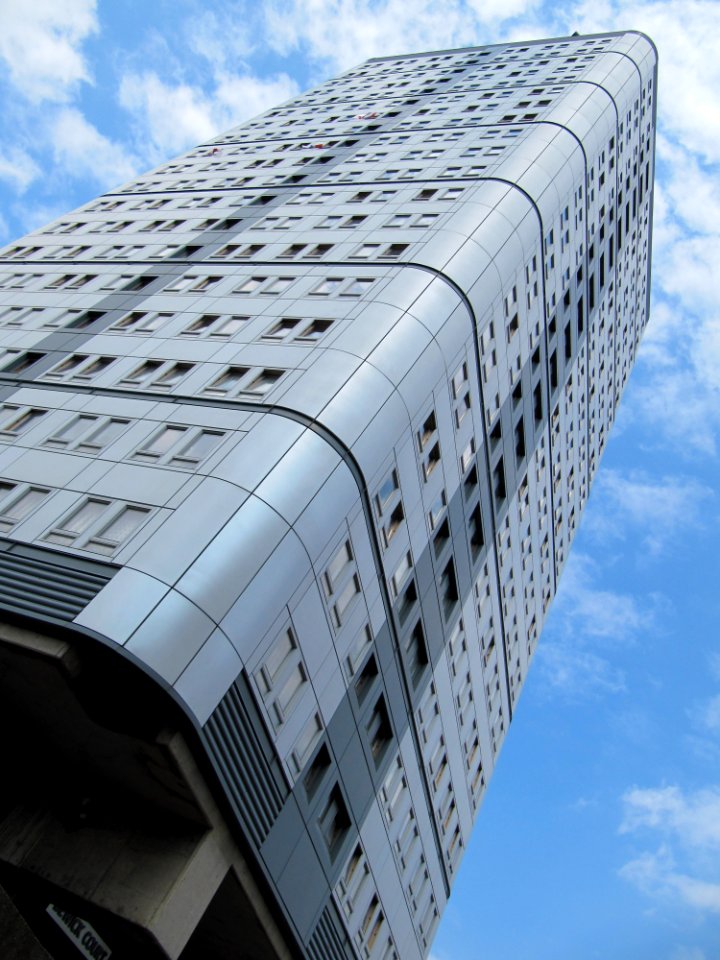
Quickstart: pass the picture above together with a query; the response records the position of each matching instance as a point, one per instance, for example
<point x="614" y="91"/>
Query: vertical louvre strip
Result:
<point x="330" y="940"/>
<point x="255" y="790"/>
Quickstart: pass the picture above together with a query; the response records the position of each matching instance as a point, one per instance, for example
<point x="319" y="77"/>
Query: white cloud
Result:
<point x="589" y="612"/>
<point x="639" y="505"/>
<point x="82" y="151"/>
<point x="171" y="118"/>
<point x="688" y="953"/>
<point x="685" y="865"/>
<point x="18" y="169"/>
<point x="692" y="189"/>
<point x="40" y="44"/>
<point x="656" y="875"/>
<point x="577" y="674"/>
<point x="693" y="818"/>
<point x="220" y="36"/>
<point x="587" y="622"/>
<point x="707" y="714"/>
<point x="342" y="34"/>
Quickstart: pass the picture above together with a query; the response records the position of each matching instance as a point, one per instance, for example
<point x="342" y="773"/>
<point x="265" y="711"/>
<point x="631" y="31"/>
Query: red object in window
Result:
<point x="319" y="146"/>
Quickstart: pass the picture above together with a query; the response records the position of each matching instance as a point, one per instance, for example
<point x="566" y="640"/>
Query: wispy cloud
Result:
<point x="341" y="34"/>
<point x="40" y="45"/>
<point x="170" y="117"/>
<point x="589" y="624"/>
<point x="82" y="151"/>
<point x="684" y="865"/>
<point x="18" y="169"/>
<point x="648" y="509"/>
<point x="688" y="953"/>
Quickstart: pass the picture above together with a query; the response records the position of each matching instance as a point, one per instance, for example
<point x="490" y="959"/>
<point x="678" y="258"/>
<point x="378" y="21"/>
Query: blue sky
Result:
<point x="600" y="834"/>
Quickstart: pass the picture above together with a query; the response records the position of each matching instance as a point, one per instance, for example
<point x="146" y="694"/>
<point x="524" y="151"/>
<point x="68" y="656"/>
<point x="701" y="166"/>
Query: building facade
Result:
<point x="296" y="432"/>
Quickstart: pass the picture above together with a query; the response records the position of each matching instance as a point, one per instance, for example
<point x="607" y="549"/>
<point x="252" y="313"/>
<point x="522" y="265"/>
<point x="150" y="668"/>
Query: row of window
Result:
<point x="175" y="445"/>
<point x="235" y="380"/>
<point x="192" y="283"/>
<point x="99" y="525"/>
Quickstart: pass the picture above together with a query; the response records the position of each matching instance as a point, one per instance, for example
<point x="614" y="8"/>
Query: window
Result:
<point x="427" y="430"/>
<point x="379" y="730"/>
<point x="16" y="420"/>
<point x="334" y="822"/>
<point x="21" y="361"/>
<point x="245" y="381"/>
<point x="215" y="325"/>
<point x="87" y="434"/>
<point x="416" y="655"/>
<point x="280" y="677"/>
<point x="157" y="374"/>
<point x="341" y="583"/>
<point x="327" y="287"/>
<point x="16" y="316"/>
<point x="365" y="251"/>
<point x="278" y="285"/>
<point x="17" y="502"/>
<point x="192" y="284"/>
<point x="250" y="285"/>
<point x="357" y="287"/>
<point x="141" y="321"/>
<point x="282" y="329"/>
<point x="228" y="380"/>
<point x="315" y="331"/>
<point x="179" y="446"/>
<point x="101" y="526"/>
<point x="80" y="367"/>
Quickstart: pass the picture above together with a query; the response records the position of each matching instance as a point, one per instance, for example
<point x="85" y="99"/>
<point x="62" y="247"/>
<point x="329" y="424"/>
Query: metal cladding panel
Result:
<point x="331" y="390"/>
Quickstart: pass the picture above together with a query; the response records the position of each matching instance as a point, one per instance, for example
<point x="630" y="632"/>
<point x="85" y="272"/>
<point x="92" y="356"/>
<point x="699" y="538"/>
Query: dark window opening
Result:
<point x="334" y="822"/>
<point x="366" y="679"/>
<point x="449" y="595"/>
<point x="407" y="602"/>
<point x="442" y="537"/>
<point x="379" y="730"/>
<point x="538" y="403"/>
<point x="477" y="538"/>
<point x="471" y="481"/>
<point x="318" y="768"/>
<point x="553" y="370"/>
<point x="85" y="319"/>
<point x="22" y="362"/>
<point x="416" y="651"/>
<point x="520" y="439"/>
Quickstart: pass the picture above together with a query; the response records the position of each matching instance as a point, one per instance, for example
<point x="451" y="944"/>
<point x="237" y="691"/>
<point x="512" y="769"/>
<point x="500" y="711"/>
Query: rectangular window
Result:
<point x="20" y="420"/>
<point x="379" y="731"/>
<point x="263" y="382"/>
<point x="228" y="380"/>
<point x="98" y="525"/>
<point x="334" y="822"/>
<point x="16" y="506"/>
<point x="112" y="535"/>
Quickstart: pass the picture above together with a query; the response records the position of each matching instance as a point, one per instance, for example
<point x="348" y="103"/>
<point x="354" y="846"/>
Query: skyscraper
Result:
<point x="296" y="433"/>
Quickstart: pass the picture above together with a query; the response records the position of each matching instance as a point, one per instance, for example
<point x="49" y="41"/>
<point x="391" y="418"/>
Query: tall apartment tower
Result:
<point x="296" y="432"/>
